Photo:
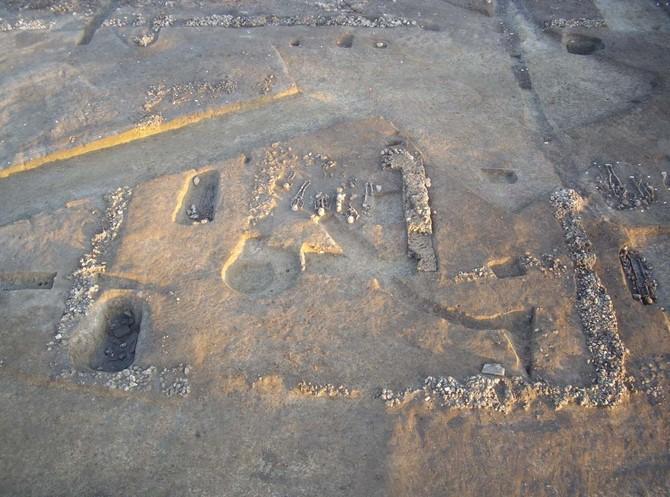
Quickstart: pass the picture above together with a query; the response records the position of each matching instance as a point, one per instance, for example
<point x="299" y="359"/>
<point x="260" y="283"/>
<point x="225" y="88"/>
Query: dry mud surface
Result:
<point x="352" y="248"/>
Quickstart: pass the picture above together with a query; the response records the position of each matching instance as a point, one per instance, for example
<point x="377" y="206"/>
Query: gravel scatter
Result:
<point x="350" y="20"/>
<point x="322" y="390"/>
<point x="578" y="22"/>
<point x="132" y="379"/>
<point x="547" y="264"/>
<point x="181" y="93"/>
<point x="475" y="392"/>
<point x="241" y="21"/>
<point x="265" y="86"/>
<point x="653" y="378"/>
<point x="24" y="24"/>
<point x="150" y="121"/>
<point x="478" y="273"/>
<point x="132" y="20"/>
<point x="175" y="382"/>
<point x="169" y="381"/>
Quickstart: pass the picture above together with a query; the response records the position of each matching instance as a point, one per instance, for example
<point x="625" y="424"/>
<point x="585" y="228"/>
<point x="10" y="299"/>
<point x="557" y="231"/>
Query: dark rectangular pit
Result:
<point x="199" y="204"/>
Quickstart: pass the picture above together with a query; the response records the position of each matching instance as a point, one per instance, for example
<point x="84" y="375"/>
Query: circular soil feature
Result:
<point x="295" y="43"/>
<point x="582" y="44"/>
<point x="380" y="44"/>
<point x="250" y="277"/>
<point x="262" y="271"/>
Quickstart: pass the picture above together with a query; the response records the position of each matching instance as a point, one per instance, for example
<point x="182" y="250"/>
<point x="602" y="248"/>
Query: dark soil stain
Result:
<point x="582" y="44"/>
<point x="26" y="280"/>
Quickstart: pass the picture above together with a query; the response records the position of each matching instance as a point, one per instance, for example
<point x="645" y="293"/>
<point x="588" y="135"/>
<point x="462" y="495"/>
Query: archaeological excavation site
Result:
<point x="334" y="248"/>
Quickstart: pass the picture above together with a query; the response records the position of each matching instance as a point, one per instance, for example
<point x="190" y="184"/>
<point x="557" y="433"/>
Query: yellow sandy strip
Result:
<point x="144" y="132"/>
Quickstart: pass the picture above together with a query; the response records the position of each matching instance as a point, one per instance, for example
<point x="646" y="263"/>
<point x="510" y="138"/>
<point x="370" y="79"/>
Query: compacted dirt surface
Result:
<point x="365" y="248"/>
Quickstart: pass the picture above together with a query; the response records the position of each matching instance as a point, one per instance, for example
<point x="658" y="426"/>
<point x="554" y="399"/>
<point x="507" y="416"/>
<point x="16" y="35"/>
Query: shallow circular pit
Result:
<point x="261" y="270"/>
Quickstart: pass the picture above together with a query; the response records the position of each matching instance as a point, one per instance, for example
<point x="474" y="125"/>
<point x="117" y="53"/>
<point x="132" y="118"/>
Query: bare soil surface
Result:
<point x="340" y="248"/>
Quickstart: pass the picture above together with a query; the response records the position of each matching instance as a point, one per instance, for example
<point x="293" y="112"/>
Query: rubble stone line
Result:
<point x="85" y="289"/>
<point x="596" y="313"/>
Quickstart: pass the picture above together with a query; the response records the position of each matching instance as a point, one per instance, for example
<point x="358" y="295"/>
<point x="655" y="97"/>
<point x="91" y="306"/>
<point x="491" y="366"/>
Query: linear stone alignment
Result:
<point x="85" y="279"/>
<point x="155" y="24"/>
<point x="23" y="24"/>
<point x="596" y="313"/>
<point x="174" y="381"/>
<point x="236" y="22"/>
<point x="580" y="22"/>
<point x="594" y="306"/>
<point x="323" y="390"/>
<point x="416" y="204"/>
<point x="546" y="264"/>
<point x="170" y="382"/>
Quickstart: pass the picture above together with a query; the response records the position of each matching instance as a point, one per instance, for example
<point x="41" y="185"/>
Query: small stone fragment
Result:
<point x="493" y="369"/>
